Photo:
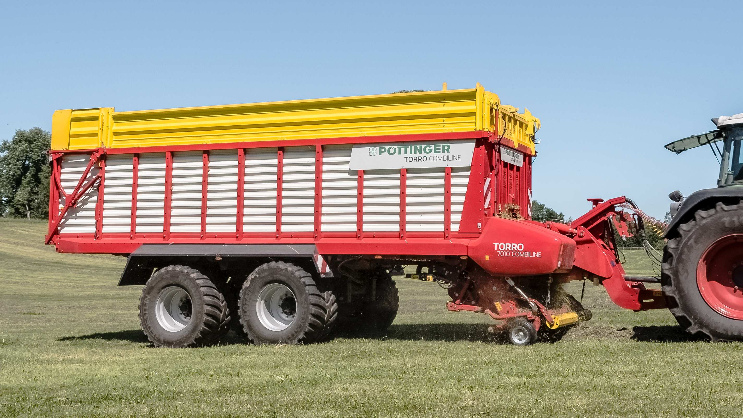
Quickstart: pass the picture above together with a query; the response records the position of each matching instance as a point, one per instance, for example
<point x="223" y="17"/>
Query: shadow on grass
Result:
<point x="431" y="332"/>
<point x="137" y="336"/>
<point x="662" y="334"/>
<point x="416" y="332"/>
<point x="132" y="335"/>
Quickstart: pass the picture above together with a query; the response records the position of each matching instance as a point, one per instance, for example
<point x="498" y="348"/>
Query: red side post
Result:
<point x="403" y="201"/>
<point x="204" y="190"/>
<point x="279" y="188"/>
<point x="447" y="202"/>
<point x="240" y="192"/>
<point x="135" y="184"/>
<point x="99" y="202"/>
<point x="360" y="204"/>
<point x="318" y="190"/>
<point x="167" y="204"/>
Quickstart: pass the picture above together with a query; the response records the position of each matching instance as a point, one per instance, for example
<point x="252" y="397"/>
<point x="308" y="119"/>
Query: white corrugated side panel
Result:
<point x="298" y="190"/>
<point x="117" y="194"/>
<point x="382" y="200"/>
<point x="259" y="211"/>
<point x="425" y="199"/>
<point x="186" y="199"/>
<point x="339" y="187"/>
<point x="222" y="191"/>
<point x="80" y="219"/>
<point x="151" y="193"/>
<point x="460" y="177"/>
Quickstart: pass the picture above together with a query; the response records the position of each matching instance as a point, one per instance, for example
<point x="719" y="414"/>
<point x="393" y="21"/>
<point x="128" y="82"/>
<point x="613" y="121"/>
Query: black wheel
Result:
<point x="702" y="273"/>
<point x="379" y="313"/>
<point x="372" y="316"/>
<point x="331" y="315"/>
<point x="232" y="296"/>
<point x="521" y="331"/>
<point x="552" y="335"/>
<point x="280" y="304"/>
<point x="180" y="307"/>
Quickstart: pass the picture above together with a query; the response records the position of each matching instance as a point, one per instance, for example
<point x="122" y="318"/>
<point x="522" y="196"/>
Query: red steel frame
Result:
<point x="204" y="190"/>
<point x="240" y="193"/>
<point x="99" y="201"/>
<point x="135" y="186"/>
<point x="279" y="189"/>
<point x="503" y="187"/>
<point x="168" y="204"/>
<point x="318" y="191"/>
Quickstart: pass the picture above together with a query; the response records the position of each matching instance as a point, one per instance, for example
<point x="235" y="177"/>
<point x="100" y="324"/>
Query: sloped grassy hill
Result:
<point x="70" y="344"/>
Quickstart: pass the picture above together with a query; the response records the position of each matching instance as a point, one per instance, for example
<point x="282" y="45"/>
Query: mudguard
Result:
<point x="704" y="198"/>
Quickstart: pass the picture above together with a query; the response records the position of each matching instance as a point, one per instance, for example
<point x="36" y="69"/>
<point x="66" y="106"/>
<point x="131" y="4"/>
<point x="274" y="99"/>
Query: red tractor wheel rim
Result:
<point x="720" y="276"/>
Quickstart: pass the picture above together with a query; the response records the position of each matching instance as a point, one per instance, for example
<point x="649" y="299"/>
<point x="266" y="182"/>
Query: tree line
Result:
<point x="24" y="174"/>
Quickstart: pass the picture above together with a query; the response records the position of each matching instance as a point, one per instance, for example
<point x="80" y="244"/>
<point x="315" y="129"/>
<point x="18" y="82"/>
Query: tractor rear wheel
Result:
<point x="702" y="274"/>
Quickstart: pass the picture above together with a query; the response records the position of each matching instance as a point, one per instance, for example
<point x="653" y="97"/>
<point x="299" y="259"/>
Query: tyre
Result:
<point x="702" y="273"/>
<point x="373" y="316"/>
<point x="180" y="307"/>
<point x="379" y="313"/>
<point x="280" y="304"/>
<point x="552" y="335"/>
<point x="520" y="331"/>
<point x="232" y="295"/>
<point x="331" y="315"/>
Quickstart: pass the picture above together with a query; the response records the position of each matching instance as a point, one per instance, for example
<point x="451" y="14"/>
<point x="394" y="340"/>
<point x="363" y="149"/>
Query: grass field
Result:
<point x="70" y="344"/>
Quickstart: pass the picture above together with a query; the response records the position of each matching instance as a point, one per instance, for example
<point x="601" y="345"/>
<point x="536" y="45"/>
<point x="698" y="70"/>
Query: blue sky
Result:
<point x="611" y="81"/>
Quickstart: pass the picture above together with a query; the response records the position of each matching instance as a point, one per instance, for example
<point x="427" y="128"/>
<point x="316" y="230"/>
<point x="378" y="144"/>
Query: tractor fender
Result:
<point x="702" y="199"/>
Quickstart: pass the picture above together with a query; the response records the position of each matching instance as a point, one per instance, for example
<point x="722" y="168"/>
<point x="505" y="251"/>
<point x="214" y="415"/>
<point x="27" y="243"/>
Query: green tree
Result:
<point x="24" y="174"/>
<point x="540" y="212"/>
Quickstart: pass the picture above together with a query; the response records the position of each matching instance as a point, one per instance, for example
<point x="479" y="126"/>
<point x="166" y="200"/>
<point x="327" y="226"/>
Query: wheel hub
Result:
<point x="519" y="335"/>
<point x="738" y="276"/>
<point x="173" y="308"/>
<point x="720" y="276"/>
<point x="276" y="307"/>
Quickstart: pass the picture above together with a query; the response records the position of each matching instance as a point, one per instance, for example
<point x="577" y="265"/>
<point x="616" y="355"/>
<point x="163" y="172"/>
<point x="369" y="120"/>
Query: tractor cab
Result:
<point x="729" y="134"/>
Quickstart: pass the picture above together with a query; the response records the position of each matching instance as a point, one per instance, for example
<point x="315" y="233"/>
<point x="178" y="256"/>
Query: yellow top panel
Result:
<point x="389" y="114"/>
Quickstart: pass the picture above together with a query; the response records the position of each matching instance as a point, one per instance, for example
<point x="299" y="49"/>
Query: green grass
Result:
<point x="70" y="344"/>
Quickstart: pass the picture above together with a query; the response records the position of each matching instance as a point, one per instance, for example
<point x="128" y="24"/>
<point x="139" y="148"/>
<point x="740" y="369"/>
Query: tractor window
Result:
<point x="736" y="162"/>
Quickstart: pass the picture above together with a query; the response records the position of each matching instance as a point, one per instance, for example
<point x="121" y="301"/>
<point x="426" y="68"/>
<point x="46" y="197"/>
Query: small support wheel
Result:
<point x="521" y="332"/>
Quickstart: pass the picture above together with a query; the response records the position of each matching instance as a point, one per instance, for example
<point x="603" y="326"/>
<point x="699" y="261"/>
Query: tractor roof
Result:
<point x="694" y="141"/>
<point x="729" y="120"/>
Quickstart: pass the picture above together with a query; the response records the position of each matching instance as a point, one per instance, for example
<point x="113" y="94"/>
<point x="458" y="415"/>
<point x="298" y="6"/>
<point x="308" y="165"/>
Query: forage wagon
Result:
<point x="290" y="218"/>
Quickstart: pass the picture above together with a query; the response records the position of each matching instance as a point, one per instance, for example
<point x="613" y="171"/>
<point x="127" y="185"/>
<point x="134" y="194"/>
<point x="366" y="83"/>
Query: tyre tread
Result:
<point x="216" y="313"/>
<point x="691" y="321"/>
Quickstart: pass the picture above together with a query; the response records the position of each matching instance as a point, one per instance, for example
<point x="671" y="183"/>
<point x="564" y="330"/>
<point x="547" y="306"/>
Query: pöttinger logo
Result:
<point x="373" y="151"/>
